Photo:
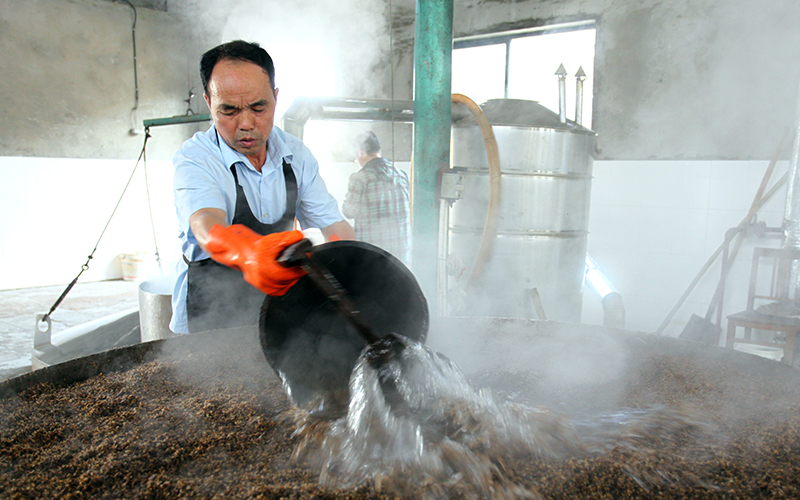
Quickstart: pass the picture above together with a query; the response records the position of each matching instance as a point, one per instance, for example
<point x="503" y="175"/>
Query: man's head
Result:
<point x="237" y="50"/>
<point x="238" y="82"/>
<point x="368" y="146"/>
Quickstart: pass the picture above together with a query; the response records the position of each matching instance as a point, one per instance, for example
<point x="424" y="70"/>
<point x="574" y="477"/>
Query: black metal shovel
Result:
<point x="380" y="349"/>
<point x="300" y="254"/>
<point x="354" y="295"/>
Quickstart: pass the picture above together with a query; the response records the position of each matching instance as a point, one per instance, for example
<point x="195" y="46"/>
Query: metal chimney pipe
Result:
<point x="580" y="76"/>
<point x="562" y="93"/>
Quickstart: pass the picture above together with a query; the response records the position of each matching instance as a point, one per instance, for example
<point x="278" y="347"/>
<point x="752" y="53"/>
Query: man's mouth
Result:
<point x="247" y="142"/>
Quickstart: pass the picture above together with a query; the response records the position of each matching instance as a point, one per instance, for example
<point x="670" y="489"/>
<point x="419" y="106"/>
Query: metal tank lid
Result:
<point x="517" y="113"/>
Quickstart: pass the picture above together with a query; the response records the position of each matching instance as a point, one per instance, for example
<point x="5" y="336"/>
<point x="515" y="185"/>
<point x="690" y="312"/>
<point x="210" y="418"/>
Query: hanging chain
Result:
<point x="150" y="203"/>
<point x="85" y="266"/>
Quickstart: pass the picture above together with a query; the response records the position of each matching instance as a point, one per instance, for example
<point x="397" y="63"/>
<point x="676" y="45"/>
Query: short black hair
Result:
<point x="369" y="143"/>
<point x="237" y="50"/>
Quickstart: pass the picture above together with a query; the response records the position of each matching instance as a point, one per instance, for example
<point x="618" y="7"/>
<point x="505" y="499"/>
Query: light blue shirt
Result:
<point x="203" y="180"/>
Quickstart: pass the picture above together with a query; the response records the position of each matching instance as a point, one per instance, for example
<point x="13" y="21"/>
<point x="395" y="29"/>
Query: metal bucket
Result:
<point x="543" y="214"/>
<point x="155" y="308"/>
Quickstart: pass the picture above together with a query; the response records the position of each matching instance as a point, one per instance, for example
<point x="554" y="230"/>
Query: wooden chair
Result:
<point x="773" y="283"/>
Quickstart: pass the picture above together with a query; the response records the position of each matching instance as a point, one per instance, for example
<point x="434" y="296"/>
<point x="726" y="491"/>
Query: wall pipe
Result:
<point x="791" y="219"/>
<point x="176" y="120"/>
<point x="303" y="109"/>
<point x="135" y="108"/>
<point x="433" y="55"/>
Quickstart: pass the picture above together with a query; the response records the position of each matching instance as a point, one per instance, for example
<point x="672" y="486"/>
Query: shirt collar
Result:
<point x="377" y="162"/>
<point x="277" y="150"/>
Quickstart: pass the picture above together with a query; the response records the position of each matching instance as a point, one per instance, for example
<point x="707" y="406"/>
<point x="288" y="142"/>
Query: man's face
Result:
<point x="242" y="104"/>
<point x="361" y="157"/>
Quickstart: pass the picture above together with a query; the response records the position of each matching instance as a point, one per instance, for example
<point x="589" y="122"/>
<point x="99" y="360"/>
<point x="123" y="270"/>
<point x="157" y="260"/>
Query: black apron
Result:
<point x="218" y="296"/>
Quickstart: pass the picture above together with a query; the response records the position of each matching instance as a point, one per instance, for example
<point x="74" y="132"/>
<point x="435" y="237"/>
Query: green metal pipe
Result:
<point x="433" y="55"/>
<point x="174" y="120"/>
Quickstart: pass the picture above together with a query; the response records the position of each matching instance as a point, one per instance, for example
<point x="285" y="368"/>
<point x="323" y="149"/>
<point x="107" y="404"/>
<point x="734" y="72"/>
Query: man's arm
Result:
<point x="241" y="248"/>
<point x="342" y="229"/>
<point x="203" y="220"/>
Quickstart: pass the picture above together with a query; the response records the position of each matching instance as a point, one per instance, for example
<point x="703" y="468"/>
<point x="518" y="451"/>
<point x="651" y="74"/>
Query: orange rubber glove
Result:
<point x="241" y="248"/>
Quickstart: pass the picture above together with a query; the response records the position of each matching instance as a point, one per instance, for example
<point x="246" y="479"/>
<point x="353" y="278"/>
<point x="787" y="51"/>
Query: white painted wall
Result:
<point x="654" y="224"/>
<point x="56" y="210"/>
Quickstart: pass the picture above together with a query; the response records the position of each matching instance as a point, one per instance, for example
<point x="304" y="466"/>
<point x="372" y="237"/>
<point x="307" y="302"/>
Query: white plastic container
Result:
<point x="134" y="266"/>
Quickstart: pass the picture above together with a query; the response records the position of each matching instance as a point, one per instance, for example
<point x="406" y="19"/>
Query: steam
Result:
<point x="231" y="357"/>
<point x="319" y="48"/>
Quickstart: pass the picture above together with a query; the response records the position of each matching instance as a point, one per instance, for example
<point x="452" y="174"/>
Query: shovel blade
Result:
<point x="313" y="347"/>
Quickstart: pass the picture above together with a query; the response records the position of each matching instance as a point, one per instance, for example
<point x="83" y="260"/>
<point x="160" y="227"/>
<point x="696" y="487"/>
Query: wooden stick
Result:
<point x="757" y="204"/>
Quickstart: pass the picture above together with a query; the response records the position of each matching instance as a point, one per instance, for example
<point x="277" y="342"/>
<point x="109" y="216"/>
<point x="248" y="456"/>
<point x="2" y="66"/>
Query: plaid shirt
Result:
<point x="378" y="200"/>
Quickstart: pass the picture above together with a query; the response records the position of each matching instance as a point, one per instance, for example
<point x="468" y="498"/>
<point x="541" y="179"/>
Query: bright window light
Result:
<point x="479" y="72"/>
<point x="535" y="59"/>
<point x="522" y="65"/>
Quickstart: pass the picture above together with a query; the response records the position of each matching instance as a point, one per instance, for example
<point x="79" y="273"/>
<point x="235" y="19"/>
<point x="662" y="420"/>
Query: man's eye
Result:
<point x="259" y="109"/>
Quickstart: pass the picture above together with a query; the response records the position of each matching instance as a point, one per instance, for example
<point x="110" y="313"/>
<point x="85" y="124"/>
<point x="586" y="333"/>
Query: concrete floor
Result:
<point x="85" y="302"/>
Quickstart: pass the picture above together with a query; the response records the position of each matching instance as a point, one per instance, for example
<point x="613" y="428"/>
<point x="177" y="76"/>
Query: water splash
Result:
<point x="415" y="426"/>
<point x="442" y="435"/>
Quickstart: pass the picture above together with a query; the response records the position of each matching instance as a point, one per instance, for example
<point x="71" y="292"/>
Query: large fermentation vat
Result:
<point x="537" y="260"/>
<point x="183" y="417"/>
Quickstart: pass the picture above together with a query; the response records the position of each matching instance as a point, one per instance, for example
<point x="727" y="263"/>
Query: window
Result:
<point x="480" y="72"/>
<point x="522" y="65"/>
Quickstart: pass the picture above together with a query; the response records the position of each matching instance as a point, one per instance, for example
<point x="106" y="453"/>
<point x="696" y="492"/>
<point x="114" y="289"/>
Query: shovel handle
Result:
<point x="295" y="254"/>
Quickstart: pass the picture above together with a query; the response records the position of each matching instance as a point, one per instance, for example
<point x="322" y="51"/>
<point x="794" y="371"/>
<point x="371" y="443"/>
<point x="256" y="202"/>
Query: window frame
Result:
<point x="505" y="38"/>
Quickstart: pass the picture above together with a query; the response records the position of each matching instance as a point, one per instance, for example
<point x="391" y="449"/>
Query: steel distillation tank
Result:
<point x="536" y="263"/>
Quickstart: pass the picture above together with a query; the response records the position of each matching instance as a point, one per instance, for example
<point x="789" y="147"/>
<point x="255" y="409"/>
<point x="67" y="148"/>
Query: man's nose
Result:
<point x="246" y="120"/>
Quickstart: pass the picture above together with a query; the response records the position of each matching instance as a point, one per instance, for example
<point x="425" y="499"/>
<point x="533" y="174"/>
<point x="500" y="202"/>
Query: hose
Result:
<point x="493" y="156"/>
<point x="135" y="70"/>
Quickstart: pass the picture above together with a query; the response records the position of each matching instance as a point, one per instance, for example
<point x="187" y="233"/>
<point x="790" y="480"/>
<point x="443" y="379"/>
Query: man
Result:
<point x="378" y="200"/>
<point x="238" y="188"/>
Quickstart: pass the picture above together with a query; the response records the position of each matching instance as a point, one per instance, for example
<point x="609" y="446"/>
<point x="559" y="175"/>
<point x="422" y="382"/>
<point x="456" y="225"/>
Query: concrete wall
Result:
<point x="655" y="224"/>
<point x="68" y="71"/>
